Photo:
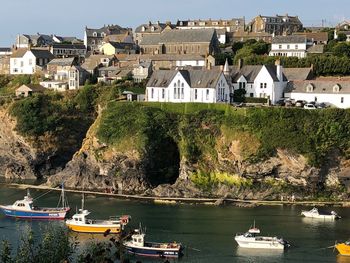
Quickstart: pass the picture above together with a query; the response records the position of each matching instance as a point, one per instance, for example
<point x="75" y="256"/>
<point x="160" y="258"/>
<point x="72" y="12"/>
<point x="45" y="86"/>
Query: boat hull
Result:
<point x="153" y="252"/>
<point x="343" y="249"/>
<point x="51" y="215"/>
<point x="261" y="244"/>
<point x="87" y="228"/>
<point x="318" y="216"/>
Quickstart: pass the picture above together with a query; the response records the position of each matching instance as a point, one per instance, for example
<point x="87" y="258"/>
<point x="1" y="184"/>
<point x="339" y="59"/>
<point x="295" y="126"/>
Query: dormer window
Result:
<point x="152" y="28"/>
<point x="336" y="88"/>
<point x="310" y="88"/>
<point x="94" y="34"/>
<point x="143" y="29"/>
<point x="103" y="34"/>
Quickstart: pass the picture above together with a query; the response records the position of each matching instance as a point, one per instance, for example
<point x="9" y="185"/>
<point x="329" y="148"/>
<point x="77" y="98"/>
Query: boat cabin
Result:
<point x="138" y="239"/>
<point x="81" y="217"/>
<point x="25" y="204"/>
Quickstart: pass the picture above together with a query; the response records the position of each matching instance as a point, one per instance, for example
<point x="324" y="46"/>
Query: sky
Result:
<point x="69" y="17"/>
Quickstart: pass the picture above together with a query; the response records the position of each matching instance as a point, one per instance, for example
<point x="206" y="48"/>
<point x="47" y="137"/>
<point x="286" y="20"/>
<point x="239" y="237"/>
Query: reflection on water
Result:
<point x="318" y="221"/>
<point x="258" y="253"/>
<point x="343" y="259"/>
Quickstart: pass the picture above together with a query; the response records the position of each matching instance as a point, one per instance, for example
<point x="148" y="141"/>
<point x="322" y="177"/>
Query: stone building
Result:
<point x="150" y="29"/>
<point x="278" y="25"/>
<point x="94" y="38"/>
<point x="196" y="41"/>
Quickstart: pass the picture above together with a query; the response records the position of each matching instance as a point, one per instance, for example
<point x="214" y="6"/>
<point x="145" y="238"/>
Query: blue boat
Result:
<point x="26" y="210"/>
<point x="137" y="246"/>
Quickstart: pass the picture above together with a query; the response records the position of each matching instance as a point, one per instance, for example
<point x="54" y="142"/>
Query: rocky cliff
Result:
<point x="163" y="152"/>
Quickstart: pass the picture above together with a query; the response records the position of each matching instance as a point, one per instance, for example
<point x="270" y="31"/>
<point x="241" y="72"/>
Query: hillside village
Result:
<point x="273" y="60"/>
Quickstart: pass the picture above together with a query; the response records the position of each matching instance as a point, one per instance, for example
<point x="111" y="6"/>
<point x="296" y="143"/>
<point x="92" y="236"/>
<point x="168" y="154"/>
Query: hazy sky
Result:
<point x="69" y="17"/>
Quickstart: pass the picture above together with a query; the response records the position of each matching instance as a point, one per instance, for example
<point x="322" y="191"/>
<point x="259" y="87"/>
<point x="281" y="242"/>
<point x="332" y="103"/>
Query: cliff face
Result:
<point x="17" y="158"/>
<point x="145" y="150"/>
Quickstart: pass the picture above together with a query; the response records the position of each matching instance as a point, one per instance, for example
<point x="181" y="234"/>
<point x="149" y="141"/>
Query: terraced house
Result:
<point x="196" y="41"/>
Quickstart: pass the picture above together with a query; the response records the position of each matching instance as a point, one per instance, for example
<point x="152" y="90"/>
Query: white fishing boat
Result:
<point x="252" y="239"/>
<point x="315" y="213"/>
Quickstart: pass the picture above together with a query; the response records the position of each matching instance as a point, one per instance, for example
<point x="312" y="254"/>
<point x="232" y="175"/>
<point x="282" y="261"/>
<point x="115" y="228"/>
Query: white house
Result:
<point x="329" y="90"/>
<point x="29" y="61"/>
<point x="289" y="46"/>
<point x="142" y="70"/>
<point x="205" y="86"/>
<point x="260" y="81"/>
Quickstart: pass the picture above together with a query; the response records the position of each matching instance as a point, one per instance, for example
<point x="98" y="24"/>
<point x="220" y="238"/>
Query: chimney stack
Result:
<point x="240" y="63"/>
<point x="279" y="70"/>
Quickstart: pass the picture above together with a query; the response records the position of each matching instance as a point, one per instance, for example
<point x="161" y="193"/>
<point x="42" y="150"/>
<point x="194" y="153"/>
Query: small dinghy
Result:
<point x="252" y="239"/>
<point x="137" y="246"/>
<point x="315" y="213"/>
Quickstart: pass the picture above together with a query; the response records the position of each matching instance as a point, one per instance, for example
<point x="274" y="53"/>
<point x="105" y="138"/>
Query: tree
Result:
<point x="342" y="37"/>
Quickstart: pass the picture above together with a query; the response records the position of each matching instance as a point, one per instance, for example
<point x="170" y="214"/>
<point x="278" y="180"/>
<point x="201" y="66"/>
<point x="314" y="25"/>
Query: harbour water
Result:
<point x="209" y="229"/>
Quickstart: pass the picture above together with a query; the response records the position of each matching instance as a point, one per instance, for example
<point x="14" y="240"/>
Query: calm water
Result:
<point x="207" y="228"/>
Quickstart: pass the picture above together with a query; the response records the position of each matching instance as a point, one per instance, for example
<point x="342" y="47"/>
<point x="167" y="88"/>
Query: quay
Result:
<point x="189" y="200"/>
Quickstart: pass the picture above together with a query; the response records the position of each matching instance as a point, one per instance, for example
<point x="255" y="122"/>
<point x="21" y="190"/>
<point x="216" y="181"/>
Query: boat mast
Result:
<point x="82" y="203"/>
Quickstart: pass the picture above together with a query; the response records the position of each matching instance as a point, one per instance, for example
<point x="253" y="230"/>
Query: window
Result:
<point x="288" y="46"/>
<point x="280" y="46"/>
<point x="261" y="85"/>
<point x="195" y="94"/>
<point x="94" y="34"/>
<point x="163" y="93"/>
<point x="182" y="93"/>
<point x="309" y="88"/>
<point x="207" y="94"/>
<point x="251" y="95"/>
<point x="315" y="99"/>
<point x="336" y="88"/>
<point x="30" y="62"/>
<point x="265" y="85"/>
<point x="296" y="47"/>
<point x="342" y="100"/>
<point x="175" y="92"/>
<point x="152" y="93"/>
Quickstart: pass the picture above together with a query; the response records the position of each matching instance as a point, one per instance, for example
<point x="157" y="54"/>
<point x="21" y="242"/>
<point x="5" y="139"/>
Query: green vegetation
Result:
<point x="196" y="129"/>
<point x="55" y="247"/>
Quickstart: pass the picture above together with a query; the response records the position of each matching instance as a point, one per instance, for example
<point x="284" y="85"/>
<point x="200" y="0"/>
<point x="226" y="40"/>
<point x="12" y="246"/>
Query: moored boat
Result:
<point x="26" y="209"/>
<point x="81" y="223"/>
<point x="252" y="239"/>
<point x="315" y="213"/>
<point x="343" y="248"/>
<point x="137" y="246"/>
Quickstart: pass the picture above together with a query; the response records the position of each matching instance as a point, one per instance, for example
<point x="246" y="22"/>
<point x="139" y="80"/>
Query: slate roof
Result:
<point x="157" y="27"/>
<point x="107" y="30"/>
<point x="5" y="49"/>
<point x="35" y="87"/>
<point x="288" y="39"/>
<point x="69" y="46"/>
<point x="194" y="78"/>
<point x="179" y="36"/>
<point x="62" y="62"/>
<point x="250" y="72"/>
<point x="315" y="49"/>
<point x="118" y="45"/>
<point x="42" y="53"/>
<point x="293" y="74"/>
<point x="159" y="57"/>
<point x="220" y="22"/>
<point x="322" y="86"/>
<point x="94" y="61"/>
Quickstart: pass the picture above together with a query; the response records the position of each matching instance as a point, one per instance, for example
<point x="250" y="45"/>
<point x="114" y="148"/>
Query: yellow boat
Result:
<point x="343" y="248"/>
<point x="81" y="223"/>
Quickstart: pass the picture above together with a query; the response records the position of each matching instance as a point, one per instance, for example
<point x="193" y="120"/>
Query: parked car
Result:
<point x="310" y="106"/>
<point x="321" y="105"/>
<point x="300" y="103"/>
